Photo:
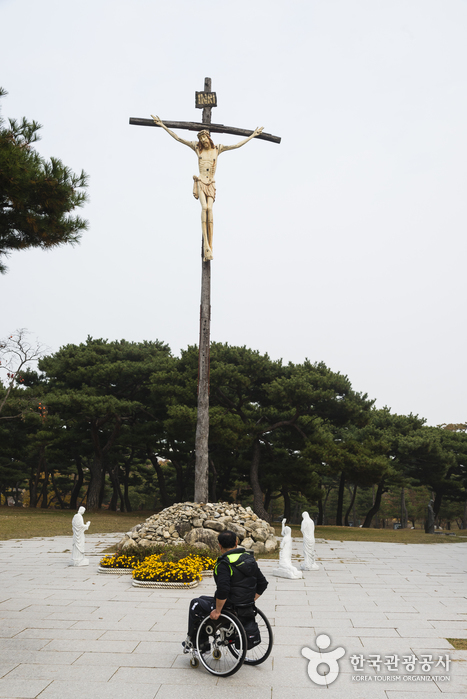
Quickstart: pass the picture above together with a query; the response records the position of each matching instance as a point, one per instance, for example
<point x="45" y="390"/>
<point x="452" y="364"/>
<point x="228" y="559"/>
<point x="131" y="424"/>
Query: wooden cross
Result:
<point x="207" y="108"/>
<point x="205" y="100"/>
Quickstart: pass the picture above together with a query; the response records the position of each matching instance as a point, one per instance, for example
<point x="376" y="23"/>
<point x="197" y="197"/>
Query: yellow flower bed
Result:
<point x="119" y="561"/>
<point x="207" y="562"/>
<point x="153" y="569"/>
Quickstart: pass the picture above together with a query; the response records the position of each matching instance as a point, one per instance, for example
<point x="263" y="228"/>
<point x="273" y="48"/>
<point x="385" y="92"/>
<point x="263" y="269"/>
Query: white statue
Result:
<point x="79" y="527"/>
<point x="204" y="187"/>
<point x="286" y="569"/>
<point x="308" y="532"/>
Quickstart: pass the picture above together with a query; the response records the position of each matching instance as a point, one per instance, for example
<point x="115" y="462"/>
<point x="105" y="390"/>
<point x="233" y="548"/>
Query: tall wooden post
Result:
<point x="202" y="424"/>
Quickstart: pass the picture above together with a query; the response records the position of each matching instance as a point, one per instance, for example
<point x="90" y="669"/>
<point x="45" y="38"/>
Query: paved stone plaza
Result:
<point x="71" y="632"/>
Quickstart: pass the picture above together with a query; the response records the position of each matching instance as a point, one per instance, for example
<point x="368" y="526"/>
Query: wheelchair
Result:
<point x="222" y="646"/>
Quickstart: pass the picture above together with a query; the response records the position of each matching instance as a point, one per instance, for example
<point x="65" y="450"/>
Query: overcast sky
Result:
<point x="345" y="244"/>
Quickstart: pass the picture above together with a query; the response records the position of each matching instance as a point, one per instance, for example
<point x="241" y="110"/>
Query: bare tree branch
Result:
<point x="15" y="352"/>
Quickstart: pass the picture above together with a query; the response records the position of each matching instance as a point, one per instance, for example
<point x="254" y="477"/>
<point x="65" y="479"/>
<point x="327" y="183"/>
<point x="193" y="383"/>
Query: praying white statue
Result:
<point x="204" y="187"/>
<point x="286" y="569"/>
<point x="308" y="531"/>
<point x="79" y="527"/>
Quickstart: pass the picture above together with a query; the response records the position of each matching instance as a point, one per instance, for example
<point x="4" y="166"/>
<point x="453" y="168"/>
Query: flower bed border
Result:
<point x="164" y="585"/>
<point x="114" y="571"/>
<point x="127" y="571"/>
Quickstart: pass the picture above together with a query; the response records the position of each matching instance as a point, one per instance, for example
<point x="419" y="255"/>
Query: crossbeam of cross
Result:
<point x="198" y="126"/>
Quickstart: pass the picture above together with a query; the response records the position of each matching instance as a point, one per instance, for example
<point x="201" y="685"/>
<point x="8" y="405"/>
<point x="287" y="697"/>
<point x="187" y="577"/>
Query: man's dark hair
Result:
<point x="227" y="539"/>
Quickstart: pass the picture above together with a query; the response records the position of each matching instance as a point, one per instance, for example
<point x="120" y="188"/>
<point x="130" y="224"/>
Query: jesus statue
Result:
<point x="204" y="186"/>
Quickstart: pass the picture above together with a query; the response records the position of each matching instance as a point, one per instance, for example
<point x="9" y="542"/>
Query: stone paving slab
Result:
<point x="71" y="673"/>
<point x="68" y="631"/>
<point x="62" y="689"/>
<point x="23" y="689"/>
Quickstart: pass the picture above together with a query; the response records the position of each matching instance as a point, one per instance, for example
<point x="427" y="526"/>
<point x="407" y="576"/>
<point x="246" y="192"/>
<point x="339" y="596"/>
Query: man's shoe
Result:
<point x="187" y="645"/>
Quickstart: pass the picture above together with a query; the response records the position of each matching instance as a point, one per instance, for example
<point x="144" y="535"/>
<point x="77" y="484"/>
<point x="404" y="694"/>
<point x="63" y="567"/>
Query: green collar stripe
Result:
<point x="233" y="557"/>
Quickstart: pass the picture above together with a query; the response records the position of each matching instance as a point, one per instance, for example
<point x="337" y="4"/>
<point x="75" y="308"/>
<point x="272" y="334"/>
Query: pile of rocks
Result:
<point x="198" y="524"/>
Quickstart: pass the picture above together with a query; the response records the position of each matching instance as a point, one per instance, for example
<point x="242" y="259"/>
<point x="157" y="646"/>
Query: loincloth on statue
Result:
<point x="209" y="190"/>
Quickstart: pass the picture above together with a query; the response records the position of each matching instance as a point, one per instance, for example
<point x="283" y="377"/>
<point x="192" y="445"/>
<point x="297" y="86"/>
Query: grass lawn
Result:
<point x="25" y="523"/>
<point x="395" y="536"/>
<point x="458" y="643"/>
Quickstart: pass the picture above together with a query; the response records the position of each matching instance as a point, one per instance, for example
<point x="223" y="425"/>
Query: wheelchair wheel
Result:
<point x="262" y="651"/>
<point x="225" y="650"/>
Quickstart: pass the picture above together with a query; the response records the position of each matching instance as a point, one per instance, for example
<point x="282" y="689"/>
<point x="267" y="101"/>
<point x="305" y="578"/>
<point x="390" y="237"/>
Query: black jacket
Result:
<point x="238" y="577"/>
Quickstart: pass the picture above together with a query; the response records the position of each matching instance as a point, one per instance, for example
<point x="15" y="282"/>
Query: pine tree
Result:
<point x="36" y="196"/>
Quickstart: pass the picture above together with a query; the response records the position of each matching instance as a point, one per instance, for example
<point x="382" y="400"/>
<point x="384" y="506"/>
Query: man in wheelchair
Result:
<point x="239" y="583"/>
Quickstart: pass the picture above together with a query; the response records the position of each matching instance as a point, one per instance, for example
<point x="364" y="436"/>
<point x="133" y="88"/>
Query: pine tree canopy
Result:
<point x="36" y="196"/>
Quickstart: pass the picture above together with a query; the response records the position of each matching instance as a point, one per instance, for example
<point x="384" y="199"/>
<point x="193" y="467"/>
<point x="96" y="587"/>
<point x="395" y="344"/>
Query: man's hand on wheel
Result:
<point x="214" y="614"/>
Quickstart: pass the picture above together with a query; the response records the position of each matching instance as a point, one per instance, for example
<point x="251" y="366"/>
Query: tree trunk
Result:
<point x="320" y="512"/>
<point x="346" y="521"/>
<point x="113" y="501"/>
<point x="34" y="482"/>
<point x="404" y="515"/>
<point x="267" y="500"/>
<point x="324" y="503"/>
<point x="117" y="491"/>
<point x="437" y="503"/>
<point x="287" y="504"/>
<point x="45" y="485"/>
<point x="430" y="519"/>
<point x="96" y="483"/>
<point x="126" y="484"/>
<point x="97" y="465"/>
<point x="464" y="517"/>
<point x="340" y="500"/>
<point x="102" y="491"/>
<point x="56" y="491"/>
<point x="258" y="505"/>
<point x="77" y="485"/>
<point x="374" y="509"/>
<point x="213" y="483"/>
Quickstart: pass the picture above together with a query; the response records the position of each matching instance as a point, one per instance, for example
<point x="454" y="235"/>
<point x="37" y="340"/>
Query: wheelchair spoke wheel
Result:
<point x="224" y="651"/>
<point x="262" y="651"/>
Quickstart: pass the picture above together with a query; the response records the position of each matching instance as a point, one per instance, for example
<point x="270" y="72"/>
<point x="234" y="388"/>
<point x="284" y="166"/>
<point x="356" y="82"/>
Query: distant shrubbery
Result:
<point x="113" y="424"/>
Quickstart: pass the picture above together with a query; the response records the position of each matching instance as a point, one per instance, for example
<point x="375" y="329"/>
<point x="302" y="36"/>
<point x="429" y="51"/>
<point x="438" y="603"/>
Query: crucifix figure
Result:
<point x="204" y="189"/>
<point x="204" y="185"/>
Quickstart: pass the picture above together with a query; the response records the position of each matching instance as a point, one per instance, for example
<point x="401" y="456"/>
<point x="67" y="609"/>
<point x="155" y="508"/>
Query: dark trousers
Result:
<point x="200" y="607"/>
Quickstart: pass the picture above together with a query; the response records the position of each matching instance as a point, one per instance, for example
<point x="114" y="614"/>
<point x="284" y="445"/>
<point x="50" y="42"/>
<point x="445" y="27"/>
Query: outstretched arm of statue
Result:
<point x="256" y="132"/>
<point x="190" y="144"/>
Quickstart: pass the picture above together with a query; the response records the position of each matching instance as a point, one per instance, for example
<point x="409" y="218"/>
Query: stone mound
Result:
<point x="198" y="524"/>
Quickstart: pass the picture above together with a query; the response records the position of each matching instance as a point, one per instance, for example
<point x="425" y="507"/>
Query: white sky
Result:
<point x="346" y="243"/>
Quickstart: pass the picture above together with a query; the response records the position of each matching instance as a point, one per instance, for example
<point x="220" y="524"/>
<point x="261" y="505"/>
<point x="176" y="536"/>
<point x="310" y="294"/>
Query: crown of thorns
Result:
<point x="204" y="132"/>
